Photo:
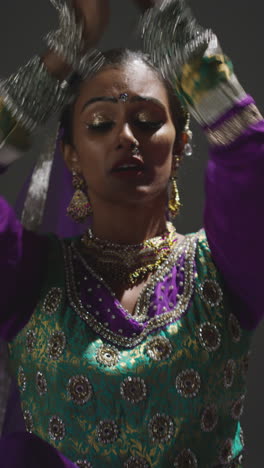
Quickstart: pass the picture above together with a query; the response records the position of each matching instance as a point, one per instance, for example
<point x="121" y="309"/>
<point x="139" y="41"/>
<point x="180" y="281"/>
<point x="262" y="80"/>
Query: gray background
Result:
<point x="239" y="25"/>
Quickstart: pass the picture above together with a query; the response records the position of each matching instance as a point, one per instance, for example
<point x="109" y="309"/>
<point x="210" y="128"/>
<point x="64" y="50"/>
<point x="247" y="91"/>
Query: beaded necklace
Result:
<point x="128" y="265"/>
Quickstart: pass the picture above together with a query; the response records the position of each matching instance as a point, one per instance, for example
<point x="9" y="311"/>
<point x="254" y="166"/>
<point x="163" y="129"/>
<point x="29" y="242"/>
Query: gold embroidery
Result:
<point x="230" y="130"/>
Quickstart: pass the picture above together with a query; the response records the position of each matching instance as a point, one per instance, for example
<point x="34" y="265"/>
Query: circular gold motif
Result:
<point x="229" y="373"/>
<point x="56" y="428"/>
<point x="159" y="348"/>
<point x="234" y="328"/>
<point x="188" y="383"/>
<point x="21" y="379"/>
<point x="209" y="418"/>
<point x="83" y="464"/>
<point x="107" y="431"/>
<point x="107" y="355"/>
<point x="136" y="462"/>
<point x="52" y="301"/>
<point x="186" y="458"/>
<point x="56" y="345"/>
<point x="133" y="389"/>
<point x="161" y="428"/>
<point x="211" y="293"/>
<point x="209" y="336"/>
<point x="31" y="340"/>
<point x="226" y="452"/>
<point x="79" y="389"/>
<point x="28" y="421"/>
<point x="238" y="408"/>
<point x="41" y="384"/>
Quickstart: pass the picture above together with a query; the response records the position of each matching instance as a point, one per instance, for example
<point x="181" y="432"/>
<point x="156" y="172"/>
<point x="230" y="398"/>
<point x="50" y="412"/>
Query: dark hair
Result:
<point x="115" y="58"/>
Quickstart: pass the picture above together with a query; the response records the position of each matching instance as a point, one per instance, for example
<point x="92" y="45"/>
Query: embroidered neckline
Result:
<point x="187" y="247"/>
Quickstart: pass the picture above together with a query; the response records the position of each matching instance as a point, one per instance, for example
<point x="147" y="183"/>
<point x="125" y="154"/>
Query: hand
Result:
<point x="95" y="14"/>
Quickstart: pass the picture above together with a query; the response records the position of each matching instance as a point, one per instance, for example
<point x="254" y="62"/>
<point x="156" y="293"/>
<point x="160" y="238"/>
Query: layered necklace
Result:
<point x="128" y="265"/>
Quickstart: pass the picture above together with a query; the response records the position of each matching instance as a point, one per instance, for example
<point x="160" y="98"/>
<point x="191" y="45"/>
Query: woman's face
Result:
<point x="107" y="124"/>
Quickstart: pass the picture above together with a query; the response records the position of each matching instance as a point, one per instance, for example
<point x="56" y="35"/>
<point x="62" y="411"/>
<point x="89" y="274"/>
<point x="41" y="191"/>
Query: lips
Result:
<point x="131" y="164"/>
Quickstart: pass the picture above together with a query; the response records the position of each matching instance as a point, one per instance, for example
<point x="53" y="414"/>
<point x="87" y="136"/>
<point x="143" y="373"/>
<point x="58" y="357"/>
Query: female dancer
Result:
<point x="130" y="342"/>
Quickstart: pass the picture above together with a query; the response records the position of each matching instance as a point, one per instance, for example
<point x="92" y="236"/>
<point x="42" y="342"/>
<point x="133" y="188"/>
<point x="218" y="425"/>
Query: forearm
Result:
<point x="233" y="215"/>
<point x="206" y="84"/>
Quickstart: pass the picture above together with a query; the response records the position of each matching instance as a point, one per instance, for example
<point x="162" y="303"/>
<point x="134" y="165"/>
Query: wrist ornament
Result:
<point x="68" y="41"/>
<point x="191" y="58"/>
<point x="32" y="94"/>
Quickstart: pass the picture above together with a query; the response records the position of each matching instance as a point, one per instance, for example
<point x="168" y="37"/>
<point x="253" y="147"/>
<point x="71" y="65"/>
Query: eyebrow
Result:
<point x="99" y="99"/>
<point x="115" y="101"/>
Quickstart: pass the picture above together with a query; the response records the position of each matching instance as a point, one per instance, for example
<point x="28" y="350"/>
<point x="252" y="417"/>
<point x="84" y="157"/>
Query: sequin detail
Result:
<point x="31" y="340"/>
<point x="242" y="436"/>
<point x="107" y="431"/>
<point x="186" y="459"/>
<point x="226" y="453"/>
<point x="209" y="336"/>
<point x="234" y="328"/>
<point x="211" y="293"/>
<point x="21" y="379"/>
<point x="83" y="464"/>
<point x="79" y="389"/>
<point x="209" y="418"/>
<point x="159" y="348"/>
<point x="73" y="258"/>
<point x="41" y="384"/>
<point x="231" y="129"/>
<point x="52" y="301"/>
<point x="133" y="389"/>
<point x="56" y="345"/>
<point x="136" y="462"/>
<point x="107" y="355"/>
<point x="28" y="421"/>
<point x="161" y="428"/>
<point x="56" y="428"/>
<point x="188" y="383"/>
<point x="238" y="408"/>
<point x="229" y="373"/>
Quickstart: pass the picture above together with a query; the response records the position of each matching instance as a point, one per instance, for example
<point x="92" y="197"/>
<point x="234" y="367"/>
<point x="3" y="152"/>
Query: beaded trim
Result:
<point x="187" y="246"/>
<point x="52" y="301"/>
<point x="230" y="130"/>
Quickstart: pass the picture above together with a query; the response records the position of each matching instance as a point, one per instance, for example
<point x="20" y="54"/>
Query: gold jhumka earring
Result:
<point x="174" y="203"/>
<point x="174" y="197"/>
<point x="80" y="207"/>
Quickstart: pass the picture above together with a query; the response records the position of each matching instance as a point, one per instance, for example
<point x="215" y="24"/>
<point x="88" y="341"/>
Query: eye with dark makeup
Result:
<point x="108" y="125"/>
<point x="101" y="127"/>
<point x="144" y="120"/>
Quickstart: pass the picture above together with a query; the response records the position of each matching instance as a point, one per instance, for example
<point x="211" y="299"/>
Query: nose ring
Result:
<point x="135" y="148"/>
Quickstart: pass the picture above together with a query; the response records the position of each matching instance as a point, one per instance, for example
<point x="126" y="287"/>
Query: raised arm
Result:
<point x="205" y="82"/>
<point x="27" y="99"/>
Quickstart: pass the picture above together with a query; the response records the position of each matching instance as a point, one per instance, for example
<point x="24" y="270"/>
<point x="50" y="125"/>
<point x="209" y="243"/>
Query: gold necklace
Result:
<point x="128" y="265"/>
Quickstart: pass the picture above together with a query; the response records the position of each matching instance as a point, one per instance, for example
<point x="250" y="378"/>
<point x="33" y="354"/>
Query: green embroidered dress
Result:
<point x="170" y="394"/>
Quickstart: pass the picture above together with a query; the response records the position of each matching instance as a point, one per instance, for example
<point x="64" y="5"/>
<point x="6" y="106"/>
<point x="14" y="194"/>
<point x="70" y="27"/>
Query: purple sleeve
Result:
<point x="233" y="216"/>
<point x="24" y="450"/>
<point x="22" y="255"/>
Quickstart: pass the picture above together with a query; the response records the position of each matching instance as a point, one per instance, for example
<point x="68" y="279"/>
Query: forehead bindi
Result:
<point x="130" y="79"/>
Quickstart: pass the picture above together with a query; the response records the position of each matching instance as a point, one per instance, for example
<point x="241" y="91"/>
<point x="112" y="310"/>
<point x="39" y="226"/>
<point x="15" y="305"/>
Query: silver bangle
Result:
<point x="172" y="37"/>
<point x="67" y="41"/>
<point x="32" y="94"/>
